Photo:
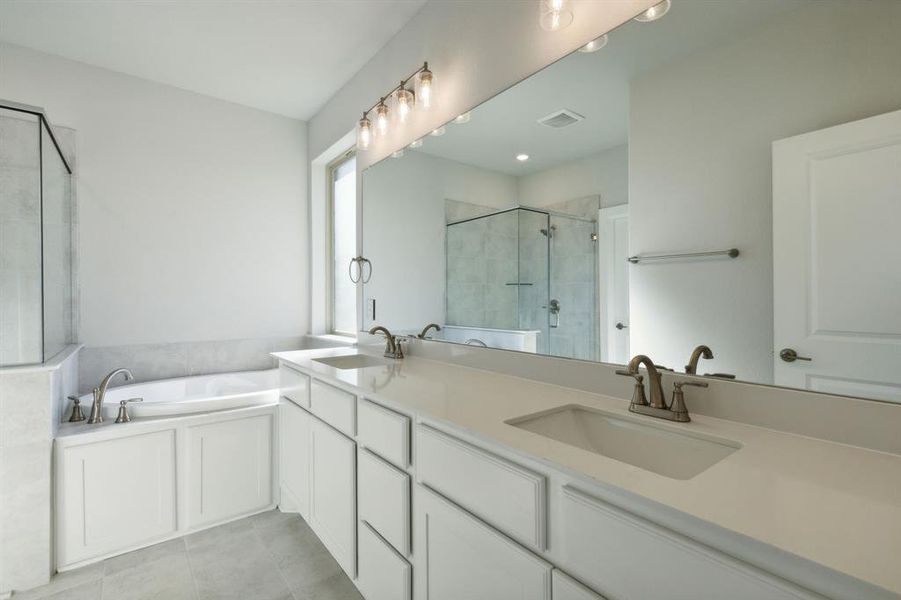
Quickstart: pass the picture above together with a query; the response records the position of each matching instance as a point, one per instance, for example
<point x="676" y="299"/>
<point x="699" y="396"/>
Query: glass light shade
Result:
<point x="464" y="118"/>
<point x="403" y="102"/>
<point x="425" y="83"/>
<point x="381" y="118"/>
<point x="416" y="144"/>
<point x="364" y="133"/>
<point x="594" y="45"/>
<point x="555" y="14"/>
<point x="655" y="12"/>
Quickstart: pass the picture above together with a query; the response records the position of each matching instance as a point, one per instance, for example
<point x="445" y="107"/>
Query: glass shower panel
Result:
<point x="574" y="287"/>
<point x="533" y="274"/>
<point x="56" y="196"/>
<point x="20" y="239"/>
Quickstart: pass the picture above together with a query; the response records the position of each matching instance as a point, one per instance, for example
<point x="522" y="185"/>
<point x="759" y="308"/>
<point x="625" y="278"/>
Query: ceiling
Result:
<point x="595" y="86"/>
<point x="284" y="56"/>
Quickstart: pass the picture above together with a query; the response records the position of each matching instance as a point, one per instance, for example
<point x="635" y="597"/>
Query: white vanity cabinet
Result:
<point x="294" y="457"/>
<point x="383" y="573"/>
<point x="461" y="557"/>
<point x="333" y="493"/>
<point x="114" y="495"/>
<point x="229" y="469"/>
<point x="567" y="588"/>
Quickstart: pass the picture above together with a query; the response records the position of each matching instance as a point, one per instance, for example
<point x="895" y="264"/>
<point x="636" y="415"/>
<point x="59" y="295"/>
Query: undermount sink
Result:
<point x="353" y="361"/>
<point x="657" y="449"/>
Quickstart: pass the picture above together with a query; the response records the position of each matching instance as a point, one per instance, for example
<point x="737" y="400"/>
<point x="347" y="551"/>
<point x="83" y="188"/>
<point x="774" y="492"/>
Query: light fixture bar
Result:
<point x="365" y="126"/>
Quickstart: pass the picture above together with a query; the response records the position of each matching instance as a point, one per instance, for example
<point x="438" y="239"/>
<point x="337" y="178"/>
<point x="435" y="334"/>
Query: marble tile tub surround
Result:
<point x="149" y="362"/>
<point x="31" y="401"/>
<point x="269" y="556"/>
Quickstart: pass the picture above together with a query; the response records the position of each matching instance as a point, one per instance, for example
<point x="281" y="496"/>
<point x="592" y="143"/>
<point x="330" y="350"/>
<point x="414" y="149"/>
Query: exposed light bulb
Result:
<point x="426" y="82"/>
<point x="439" y="131"/>
<point x="397" y="153"/>
<point x="404" y="100"/>
<point x="522" y="157"/>
<point x="655" y="12"/>
<point x="554" y="14"/>
<point x="381" y="118"/>
<point x="464" y="118"/>
<point x="364" y="132"/>
<point x="416" y="144"/>
<point x="594" y="45"/>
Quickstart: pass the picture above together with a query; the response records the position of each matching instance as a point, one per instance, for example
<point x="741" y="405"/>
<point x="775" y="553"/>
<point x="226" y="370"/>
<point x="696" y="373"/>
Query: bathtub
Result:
<point x="186" y="395"/>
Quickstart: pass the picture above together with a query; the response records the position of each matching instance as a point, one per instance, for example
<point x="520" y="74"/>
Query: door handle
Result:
<point x="620" y="326"/>
<point x="791" y="355"/>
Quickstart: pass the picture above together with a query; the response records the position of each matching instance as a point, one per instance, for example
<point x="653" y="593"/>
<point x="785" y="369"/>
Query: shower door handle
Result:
<point x="554" y="310"/>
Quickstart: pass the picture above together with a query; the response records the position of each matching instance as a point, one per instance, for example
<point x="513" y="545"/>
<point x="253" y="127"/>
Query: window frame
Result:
<point x="330" y="171"/>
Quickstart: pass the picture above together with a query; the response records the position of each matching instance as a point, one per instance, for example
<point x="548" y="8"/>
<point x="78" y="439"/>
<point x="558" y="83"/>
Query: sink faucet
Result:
<point x="393" y="347"/>
<point x="426" y="329"/>
<point x="657" y="407"/>
<point x="701" y="351"/>
<point x="656" y="387"/>
<point x="100" y="393"/>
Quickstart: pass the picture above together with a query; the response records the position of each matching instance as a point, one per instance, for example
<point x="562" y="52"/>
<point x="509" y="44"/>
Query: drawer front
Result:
<point x="385" y="432"/>
<point x="382" y="573"/>
<point x="567" y="588"/>
<point x="502" y="493"/>
<point x="384" y="499"/>
<point x="295" y="386"/>
<point x="336" y="407"/>
<point x="625" y="556"/>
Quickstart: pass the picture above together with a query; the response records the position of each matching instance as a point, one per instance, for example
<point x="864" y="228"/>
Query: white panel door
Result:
<point x="462" y="558"/>
<point x="229" y="469"/>
<point x="613" y="231"/>
<point x="837" y="258"/>
<point x="115" y="495"/>
<point x="294" y="459"/>
<point x="333" y="507"/>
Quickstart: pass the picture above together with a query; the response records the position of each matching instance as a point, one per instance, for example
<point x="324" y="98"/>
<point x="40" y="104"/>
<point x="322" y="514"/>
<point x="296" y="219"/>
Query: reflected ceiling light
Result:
<point x="522" y="157"/>
<point x="404" y="101"/>
<point x="397" y="153"/>
<point x="381" y="117"/>
<point x="440" y="131"/>
<point x="554" y="14"/>
<point x="464" y="118"/>
<point x="364" y="132"/>
<point x="655" y="12"/>
<point x="594" y="45"/>
<point x="415" y="144"/>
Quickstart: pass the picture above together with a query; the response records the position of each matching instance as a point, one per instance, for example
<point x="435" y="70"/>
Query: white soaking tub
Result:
<point x="186" y="395"/>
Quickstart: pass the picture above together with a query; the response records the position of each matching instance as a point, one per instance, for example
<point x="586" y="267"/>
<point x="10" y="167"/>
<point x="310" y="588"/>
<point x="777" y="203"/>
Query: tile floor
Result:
<point x="270" y="556"/>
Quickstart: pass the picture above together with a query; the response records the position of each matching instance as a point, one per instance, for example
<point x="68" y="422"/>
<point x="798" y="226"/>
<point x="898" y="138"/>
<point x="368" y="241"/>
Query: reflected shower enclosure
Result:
<point x="526" y="270"/>
<point x="36" y="217"/>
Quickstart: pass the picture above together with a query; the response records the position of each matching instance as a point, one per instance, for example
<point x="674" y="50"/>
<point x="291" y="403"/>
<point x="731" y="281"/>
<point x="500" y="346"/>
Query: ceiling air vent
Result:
<point x="560" y="119"/>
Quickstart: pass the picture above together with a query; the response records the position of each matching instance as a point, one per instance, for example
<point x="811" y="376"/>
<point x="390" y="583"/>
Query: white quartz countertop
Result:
<point x="833" y="504"/>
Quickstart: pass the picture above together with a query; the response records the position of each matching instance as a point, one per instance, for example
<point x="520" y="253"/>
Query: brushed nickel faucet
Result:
<point x="100" y="393"/>
<point x="701" y="351"/>
<point x="426" y="329"/>
<point x="393" y="348"/>
<point x="657" y="407"/>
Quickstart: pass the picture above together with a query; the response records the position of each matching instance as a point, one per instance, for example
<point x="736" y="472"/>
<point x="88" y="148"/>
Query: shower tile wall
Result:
<point x="20" y="234"/>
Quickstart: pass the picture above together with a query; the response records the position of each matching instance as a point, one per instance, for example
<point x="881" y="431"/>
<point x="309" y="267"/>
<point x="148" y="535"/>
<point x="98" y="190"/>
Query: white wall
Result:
<point x="605" y="174"/>
<point x="193" y="211"/>
<point x="700" y="170"/>
<point x="404" y="236"/>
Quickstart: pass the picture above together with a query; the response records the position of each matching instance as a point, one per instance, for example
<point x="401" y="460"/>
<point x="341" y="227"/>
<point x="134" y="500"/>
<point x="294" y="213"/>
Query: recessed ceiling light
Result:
<point x="397" y="154"/>
<point x="655" y="12"/>
<point x="464" y="118"/>
<point x="594" y="45"/>
<point x="416" y="144"/>
<point x="440" y="131"/>
<point x="522" y="157"/>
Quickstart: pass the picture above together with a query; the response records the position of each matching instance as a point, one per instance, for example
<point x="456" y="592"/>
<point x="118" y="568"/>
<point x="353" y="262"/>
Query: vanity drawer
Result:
<point x="295" y="386"/>
<point x="382" y="573"/>
<point x="566" y="588"/>
<point x="626" y="556"/>
<point x="384" y="499"/>
<point x="384" y="431"/>
<point x="335" y="407"/>
<point x="504" y="494"/>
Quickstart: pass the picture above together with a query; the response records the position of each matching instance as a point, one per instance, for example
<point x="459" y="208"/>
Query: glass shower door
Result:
<point x="533" y="274"/>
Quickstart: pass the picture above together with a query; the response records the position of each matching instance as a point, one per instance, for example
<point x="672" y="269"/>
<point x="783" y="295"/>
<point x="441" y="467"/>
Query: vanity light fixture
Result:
<point x="464" y="118"/>
<point x="404" y="101"/>
<point x="554" y="14"/>
<point x="522" y="157"/>
<point x="439" y="131"/>
<point x="594" y="45"/>
<point x="415" y="144"/>
<point x="655" y="12"/>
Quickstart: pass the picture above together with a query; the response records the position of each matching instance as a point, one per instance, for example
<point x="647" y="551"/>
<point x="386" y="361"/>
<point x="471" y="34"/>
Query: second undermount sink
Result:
<point x="353" y="361"/>
<point x="657" y="449"/>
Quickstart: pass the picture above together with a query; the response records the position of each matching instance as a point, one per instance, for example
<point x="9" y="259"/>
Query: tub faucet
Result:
<point x="100" y="393"/>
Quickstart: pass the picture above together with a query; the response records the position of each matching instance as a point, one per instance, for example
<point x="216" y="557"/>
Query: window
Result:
<point x="342" y="214"/>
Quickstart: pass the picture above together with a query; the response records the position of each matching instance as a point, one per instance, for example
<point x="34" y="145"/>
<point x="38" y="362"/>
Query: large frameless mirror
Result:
<point x="726" y="176"/>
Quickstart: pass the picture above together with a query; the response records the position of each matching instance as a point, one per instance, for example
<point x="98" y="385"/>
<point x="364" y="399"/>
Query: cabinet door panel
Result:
<point x="567" y="588"/>
<point x="294" y="463"/>
<point x="462" y="558"/>
<point x="384" y="497"/>
<point x="333" y="508"/>
<point x="384" y="574"/>
<point x="115" y="495"/>
<point x="229" y="469"/>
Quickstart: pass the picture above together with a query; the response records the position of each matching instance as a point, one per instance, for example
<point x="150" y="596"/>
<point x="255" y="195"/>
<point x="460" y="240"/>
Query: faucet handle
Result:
<point x="123" y="410"/>
<point x="677" y="406"/>
<point x="638" y="396"/>
<point x="77" y="412"/>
